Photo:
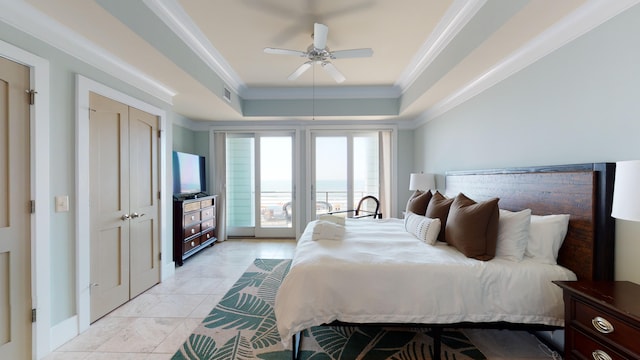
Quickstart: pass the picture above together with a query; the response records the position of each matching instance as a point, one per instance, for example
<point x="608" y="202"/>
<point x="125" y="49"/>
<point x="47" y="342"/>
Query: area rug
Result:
<point x="243" y="326"/>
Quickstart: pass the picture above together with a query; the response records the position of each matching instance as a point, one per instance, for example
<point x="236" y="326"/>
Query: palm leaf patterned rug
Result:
<point x="243" y="326"/>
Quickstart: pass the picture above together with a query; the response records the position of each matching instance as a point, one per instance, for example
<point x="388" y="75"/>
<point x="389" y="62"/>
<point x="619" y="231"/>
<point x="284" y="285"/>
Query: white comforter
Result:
<point x="379" y="273"/>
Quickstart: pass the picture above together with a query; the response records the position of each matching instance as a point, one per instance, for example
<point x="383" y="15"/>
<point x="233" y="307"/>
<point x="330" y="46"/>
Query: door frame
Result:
<point x="341" y="129"/>
<point x="40" y="193"/>
<point x="85" y="85"/>
<point x="295" y="130"/>
<point x="265" y="232"/>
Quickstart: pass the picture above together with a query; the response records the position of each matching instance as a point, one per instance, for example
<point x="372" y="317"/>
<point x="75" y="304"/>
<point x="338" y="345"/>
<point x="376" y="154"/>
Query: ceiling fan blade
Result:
<point x="300" y="70"/>
<point x="276" y="51"/>
<point x="353" y="53"/>
<point x="333" y="71"/>
<point x="320" y="33"/>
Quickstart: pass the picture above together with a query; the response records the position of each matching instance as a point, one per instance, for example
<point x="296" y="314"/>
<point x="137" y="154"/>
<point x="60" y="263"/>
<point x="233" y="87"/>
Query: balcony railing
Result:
<point x="276" y="205"/>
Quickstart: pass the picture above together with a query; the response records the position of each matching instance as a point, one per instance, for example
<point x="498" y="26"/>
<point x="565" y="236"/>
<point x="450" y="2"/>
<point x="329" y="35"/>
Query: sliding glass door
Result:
<point x="259" y="168"/>
<point x="345" y="169"/>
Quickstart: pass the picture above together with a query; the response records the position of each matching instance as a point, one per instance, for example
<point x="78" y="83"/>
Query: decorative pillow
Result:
<point x="418" y="202"/>
<point x="423" y="228"/>
<point x="438" y="208"/>
<point x="472" y="227"/>
<point x="546" y="235"/>
<point x="513" y="234"/>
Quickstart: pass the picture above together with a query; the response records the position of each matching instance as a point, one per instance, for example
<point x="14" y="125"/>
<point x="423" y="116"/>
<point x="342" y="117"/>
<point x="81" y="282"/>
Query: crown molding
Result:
<point x="176" y="18"/>
<point x="589" y="16"/>
<point x="26" y="18"/>
<point x="324" y="92"/>
<point x="455" y="19"/>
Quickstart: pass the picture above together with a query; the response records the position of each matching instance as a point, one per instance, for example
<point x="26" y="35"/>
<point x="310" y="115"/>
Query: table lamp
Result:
<point x="422" y="182"/>
<point x="626" y="191"/>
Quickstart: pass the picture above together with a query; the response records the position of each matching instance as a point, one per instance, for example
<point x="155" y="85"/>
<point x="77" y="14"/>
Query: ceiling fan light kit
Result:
<point x="319" y="53"/>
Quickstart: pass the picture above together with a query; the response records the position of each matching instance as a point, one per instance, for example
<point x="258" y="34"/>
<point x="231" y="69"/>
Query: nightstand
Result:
<point x="602" y="319"/>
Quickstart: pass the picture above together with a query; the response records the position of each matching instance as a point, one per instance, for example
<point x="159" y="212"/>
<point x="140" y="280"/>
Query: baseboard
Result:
<point x="63" y="332"/>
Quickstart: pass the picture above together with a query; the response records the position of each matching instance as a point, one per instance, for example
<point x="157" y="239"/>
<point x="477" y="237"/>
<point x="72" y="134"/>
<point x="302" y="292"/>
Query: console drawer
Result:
<point x="191" y="244"/>
<point x="191" y="230"/>
<point x="207" y="236"/>
<point x="191" y="218"/>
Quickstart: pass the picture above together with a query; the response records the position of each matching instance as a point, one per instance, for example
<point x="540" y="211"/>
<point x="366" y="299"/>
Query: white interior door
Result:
<point x="125" y="243"/>
<point x="144" y="240"/>
<point x="109" y="193"/>
<point x="15" y="238"/>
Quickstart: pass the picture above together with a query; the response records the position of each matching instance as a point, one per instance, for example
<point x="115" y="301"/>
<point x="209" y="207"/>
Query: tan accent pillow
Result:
<point x="418" y="202"/>
<point x="438" y="208"/>
<point x="472" y="227"/>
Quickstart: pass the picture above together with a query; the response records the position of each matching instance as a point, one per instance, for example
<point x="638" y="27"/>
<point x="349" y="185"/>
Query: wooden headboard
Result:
<point x="585" y="191"/>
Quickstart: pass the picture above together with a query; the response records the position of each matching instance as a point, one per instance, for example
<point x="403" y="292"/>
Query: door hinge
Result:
<point x="32" y="96"/>
<point x="159" y="133"/>
<point x="33" y="315"/>
<point x="32" y="204"/>
<point x="159" y="195"/>
<point x="159" y="256"/>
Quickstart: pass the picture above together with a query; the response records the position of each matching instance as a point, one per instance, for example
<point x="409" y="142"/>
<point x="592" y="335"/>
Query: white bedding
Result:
<point x="379" y="273"/>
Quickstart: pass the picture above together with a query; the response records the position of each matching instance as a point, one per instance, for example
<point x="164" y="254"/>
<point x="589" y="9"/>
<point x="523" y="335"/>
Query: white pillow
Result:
<point x="422" y="227"/>
<point x="332" y="218"/>
<point x="326" y="230"/>
<point x="513" y="234"/>
<point x="546" y="234"/>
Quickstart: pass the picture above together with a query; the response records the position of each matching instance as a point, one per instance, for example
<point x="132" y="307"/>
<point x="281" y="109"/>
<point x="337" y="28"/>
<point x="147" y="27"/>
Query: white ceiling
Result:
<point x="429" y="55"/>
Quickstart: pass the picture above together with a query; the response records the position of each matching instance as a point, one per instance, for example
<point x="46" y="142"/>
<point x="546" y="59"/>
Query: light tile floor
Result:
<point x="155" y="324"/>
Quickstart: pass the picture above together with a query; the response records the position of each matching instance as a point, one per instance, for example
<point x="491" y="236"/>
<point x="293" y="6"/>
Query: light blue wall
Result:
<point x="63" y="70"/>
<point x="579" y="104"/>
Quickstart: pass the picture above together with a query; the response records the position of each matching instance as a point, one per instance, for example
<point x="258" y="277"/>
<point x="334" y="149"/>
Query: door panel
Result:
<point x="109" y="192"/>
<point x="15" y="236"/>
<point x="145" y="242"/>
<point x="275" y="188"/>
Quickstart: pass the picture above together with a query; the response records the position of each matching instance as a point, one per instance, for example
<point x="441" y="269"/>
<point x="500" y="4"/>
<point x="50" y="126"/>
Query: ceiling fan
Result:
<point x="319" y="53"/>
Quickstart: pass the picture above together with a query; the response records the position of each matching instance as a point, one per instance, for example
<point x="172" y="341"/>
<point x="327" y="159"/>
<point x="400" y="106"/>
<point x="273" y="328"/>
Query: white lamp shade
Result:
<point x="421" y="181"/>
<point x="626" y="191"/>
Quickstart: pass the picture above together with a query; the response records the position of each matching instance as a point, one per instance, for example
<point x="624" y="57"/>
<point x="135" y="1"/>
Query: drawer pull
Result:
<point x="600" y="355"/>
<point x="193" y="243"/>
<point x="193" y="231"/>
<point x="602" y="325"/>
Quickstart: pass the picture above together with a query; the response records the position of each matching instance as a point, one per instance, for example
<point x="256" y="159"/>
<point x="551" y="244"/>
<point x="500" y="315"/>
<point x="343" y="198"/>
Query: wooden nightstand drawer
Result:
<point x="590" y="349"/>
<point x="603" y="324"/>
<point x="613" y="307"/>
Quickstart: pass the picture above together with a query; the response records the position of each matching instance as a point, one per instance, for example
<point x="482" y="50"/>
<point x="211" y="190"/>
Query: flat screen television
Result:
<point x="189" y="177"/>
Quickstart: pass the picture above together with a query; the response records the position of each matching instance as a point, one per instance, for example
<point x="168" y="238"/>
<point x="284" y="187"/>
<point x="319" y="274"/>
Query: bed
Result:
<point x="355" y="280"/>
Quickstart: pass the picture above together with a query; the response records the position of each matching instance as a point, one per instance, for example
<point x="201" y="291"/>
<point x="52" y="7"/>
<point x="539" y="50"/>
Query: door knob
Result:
<point x="125" y="217"/>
